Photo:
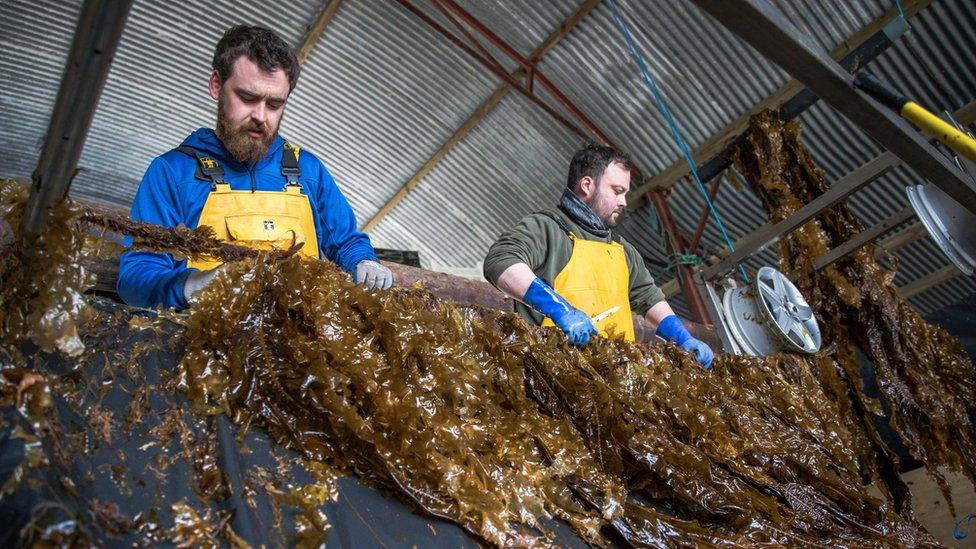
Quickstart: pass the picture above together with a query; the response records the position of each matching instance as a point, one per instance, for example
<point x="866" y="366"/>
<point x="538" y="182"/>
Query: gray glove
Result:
<point x="197" y="281"/>
<point x="373" y="275"/>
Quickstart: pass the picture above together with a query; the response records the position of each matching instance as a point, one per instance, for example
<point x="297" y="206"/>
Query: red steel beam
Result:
<point x="693" y="298"/>
<point x="500" y="73"/>
<point x="528" y="66"/>
<point x="471" y="39"/>
<point x="696" y="304"/>
<point x="712" y="191"/>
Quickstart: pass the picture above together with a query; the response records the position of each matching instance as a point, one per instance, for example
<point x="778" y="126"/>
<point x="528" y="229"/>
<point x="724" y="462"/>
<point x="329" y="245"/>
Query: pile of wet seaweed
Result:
<point x="925" y="377"/>
<point x="41" y="292"/>
<point x="471" y="415"/>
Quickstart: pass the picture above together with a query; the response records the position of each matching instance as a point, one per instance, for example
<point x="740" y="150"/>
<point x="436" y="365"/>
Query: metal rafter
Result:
<point x="93" y="47"/>
<point x="529" y="66"/>
<point x="769" y="233"/>
<point x="488" y="64"/>
<point x="472" y="40"/>
<point x="767" y="29"/>
<point x="712" y="156"/>
<point x="479" y="113"/>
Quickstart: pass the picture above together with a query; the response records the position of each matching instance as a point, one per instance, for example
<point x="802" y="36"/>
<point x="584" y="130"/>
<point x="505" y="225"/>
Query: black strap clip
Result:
<point x="207" y="168"/>
<point x="289" y="165"/>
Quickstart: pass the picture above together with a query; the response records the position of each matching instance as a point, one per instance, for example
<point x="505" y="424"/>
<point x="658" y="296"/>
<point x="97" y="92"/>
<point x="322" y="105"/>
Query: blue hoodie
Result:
<point x="170" y="195"/>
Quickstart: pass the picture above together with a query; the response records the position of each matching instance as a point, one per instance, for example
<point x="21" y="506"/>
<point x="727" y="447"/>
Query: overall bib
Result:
<point x="262" y="220"/>
<point x="595" y="279"/>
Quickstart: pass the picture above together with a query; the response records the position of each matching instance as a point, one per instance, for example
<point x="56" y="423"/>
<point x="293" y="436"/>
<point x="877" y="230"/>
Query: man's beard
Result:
<point x="244" y="148"/>
<point x="607" y="220"/>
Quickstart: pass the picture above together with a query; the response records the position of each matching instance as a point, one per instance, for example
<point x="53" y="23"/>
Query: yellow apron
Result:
<point x="595" y="279"/>
<point x="262" y="220"/>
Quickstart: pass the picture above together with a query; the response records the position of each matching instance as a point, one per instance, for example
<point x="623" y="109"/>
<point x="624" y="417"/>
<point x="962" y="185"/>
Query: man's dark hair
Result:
<point x="262" y="46"/>
<point x="592" y="160"/>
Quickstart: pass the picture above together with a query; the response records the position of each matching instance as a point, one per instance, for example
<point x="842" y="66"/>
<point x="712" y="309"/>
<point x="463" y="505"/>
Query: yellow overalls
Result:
<point x="595" y="279"/>
<point x="257" y="219"/>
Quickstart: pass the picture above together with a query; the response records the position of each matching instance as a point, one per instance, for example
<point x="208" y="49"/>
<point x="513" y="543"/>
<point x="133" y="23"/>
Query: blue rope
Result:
<point x="901" y="12"/>
<point x="957" y="532"/>
<point x="675" y="131"/>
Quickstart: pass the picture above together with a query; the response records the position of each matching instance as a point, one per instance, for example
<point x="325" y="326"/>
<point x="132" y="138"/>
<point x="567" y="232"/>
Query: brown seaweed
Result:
<point x="472" y="415"/>
<point x="922" y="371"/>
<point x="476" y="417"/>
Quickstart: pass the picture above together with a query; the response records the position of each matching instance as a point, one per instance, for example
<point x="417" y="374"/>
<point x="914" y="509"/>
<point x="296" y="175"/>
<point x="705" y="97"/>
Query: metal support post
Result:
<point x="96" y="38"/>
<point x="696" y="304"/>
<point x="713" y="187"/>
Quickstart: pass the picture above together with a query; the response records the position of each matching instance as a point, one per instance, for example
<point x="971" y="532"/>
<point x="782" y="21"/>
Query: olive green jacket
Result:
<point x="539" y="242"/>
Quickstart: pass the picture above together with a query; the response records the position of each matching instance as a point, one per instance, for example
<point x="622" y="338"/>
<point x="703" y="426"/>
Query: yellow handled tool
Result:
<point x="938" y="129"/>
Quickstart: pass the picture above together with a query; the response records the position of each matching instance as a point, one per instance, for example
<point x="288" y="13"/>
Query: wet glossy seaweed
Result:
<point x="923" y="373"/>
<point x="474" y="416"/>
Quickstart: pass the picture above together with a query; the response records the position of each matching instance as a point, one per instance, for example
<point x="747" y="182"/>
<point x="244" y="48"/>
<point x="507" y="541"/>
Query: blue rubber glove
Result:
<point x="672" y="329"/>
<point x="575" y="323"/>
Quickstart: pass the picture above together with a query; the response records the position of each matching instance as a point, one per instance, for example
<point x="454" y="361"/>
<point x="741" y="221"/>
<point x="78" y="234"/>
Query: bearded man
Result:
<point x="250" y="185"/>
<point x="566" y="266"/>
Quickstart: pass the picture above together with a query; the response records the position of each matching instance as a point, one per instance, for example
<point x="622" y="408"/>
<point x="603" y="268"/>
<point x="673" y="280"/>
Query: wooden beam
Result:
<point x="863" y="238"/>
<point x="965" y="116"/>
<point x="762" y="25"/>
<point x="314" y="31"/>
<point x="770" y="233"/>
<point x="889" y="245"/>
<point x="479" y="113"/>
<point x="926" y="282"/>
<point x="438" y="155"/>
<point x="719" y="141"/>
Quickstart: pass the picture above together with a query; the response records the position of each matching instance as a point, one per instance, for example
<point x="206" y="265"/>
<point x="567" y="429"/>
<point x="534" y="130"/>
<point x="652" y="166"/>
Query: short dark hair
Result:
<point x="262" y="46"/>
<point x="592" y="160"/>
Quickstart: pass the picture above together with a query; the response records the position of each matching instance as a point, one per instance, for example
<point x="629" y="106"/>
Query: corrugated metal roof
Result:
<point x="30" y="71"/>
<point x="484" y="178"/>
<point x="381" y="91"/>
<point x="375" y="104"/>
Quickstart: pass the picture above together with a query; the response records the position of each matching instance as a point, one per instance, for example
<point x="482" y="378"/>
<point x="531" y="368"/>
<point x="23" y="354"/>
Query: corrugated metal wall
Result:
<point x="381" y="92"/>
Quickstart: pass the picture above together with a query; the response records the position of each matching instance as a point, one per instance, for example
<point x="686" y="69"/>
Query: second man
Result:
<point x="566" y="267"/>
